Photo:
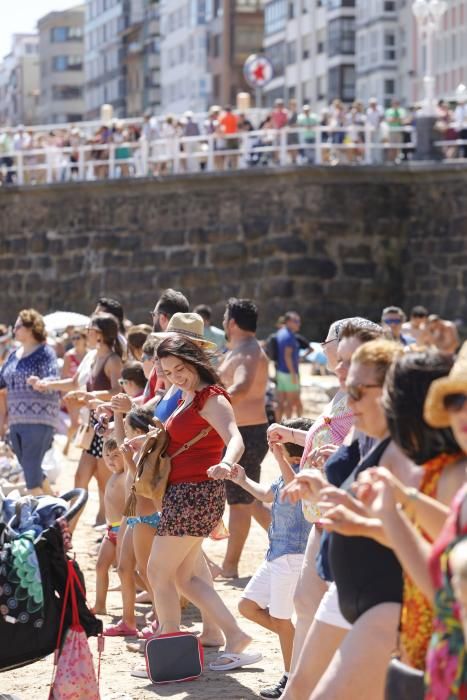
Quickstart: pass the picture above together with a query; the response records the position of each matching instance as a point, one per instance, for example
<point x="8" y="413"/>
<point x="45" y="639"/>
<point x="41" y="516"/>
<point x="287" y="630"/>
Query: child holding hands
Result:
<point x="268" y="597"/>
<point x="114" y="502"/>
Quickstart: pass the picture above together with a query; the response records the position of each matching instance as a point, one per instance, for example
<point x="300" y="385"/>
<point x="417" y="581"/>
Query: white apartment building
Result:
<point x="295" y="42"/>
<point x="104" y="66"/>
<point x="61" y="56"/>
<point x="384" y="50"/>
<point x="19" y="82"/>
<point x="152" y="56"/>
<point x="391" y="55"/>
<point x="311" y="44"/>
<point x="185" y="82"/>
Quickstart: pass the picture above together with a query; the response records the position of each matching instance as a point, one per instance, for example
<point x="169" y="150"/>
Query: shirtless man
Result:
<point x="443" y="334"/>
<point x="244" y="372"/>
<point x="417" y="327"/>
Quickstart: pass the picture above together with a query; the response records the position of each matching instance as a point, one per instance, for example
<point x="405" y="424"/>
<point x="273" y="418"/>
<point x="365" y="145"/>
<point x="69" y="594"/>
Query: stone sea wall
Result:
<point x="329" y="242"/>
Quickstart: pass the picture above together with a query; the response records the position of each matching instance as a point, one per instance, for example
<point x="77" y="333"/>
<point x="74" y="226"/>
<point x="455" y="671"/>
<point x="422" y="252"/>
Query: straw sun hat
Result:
<point x="455" y="383"/>
<point x="191" y="325"/>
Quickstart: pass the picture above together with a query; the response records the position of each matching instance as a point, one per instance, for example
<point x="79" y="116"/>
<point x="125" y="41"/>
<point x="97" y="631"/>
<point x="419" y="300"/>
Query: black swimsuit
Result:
<point x="365" y="572"/>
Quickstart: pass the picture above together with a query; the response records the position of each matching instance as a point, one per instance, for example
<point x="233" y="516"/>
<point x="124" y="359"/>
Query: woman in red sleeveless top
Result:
<point x="193" y="503"/>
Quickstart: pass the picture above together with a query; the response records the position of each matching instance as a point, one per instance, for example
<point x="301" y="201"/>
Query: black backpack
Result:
<point x="271" y="347"/>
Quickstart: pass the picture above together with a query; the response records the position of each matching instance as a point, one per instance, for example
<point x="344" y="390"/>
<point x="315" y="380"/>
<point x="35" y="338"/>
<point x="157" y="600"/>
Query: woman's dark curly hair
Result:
<point x="187" y="351"/>
<point x="405" y="389"/>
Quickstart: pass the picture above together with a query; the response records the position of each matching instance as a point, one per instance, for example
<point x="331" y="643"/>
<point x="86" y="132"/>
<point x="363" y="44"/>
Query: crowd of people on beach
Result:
<point x="366" y="520"/>
<point x="158" y="145"/>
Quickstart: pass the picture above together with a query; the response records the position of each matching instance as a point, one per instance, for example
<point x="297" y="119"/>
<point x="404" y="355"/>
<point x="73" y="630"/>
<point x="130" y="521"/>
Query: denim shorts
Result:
<point x="30" y="442"/>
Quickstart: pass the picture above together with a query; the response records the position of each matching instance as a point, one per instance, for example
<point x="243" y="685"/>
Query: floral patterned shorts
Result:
<point x="192" y="509"/>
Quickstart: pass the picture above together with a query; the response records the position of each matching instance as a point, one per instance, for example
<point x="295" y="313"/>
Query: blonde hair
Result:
<point x="378" y="354"/>
<point x="32" y="319"/>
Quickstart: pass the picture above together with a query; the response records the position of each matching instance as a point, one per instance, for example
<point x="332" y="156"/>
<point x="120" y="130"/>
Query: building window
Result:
<point x="61" y="34"/>
<point x="337" y="4"/>
<point x="389" y="6"/>
<point x="389" y="87"/>
<point x="67" y="92"/>
<point x="341" y="36"/>
<point x="64" y="63"/>
<point x="341" y="83"/>
<point x="275" y="16"/>
<point x="276" y="54"/>
<point x="389" y="46"/>
<point x="320" y="41"/>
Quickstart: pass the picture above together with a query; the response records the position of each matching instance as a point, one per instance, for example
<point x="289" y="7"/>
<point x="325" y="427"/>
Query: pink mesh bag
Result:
<point x="75" y="678"/>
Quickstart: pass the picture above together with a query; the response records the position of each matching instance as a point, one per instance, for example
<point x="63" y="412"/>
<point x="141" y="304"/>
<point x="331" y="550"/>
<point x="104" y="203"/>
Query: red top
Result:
<point x="192" y="464"/>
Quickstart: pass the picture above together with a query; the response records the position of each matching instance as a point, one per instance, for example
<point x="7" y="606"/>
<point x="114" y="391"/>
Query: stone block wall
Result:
<point x="329" y="242"/>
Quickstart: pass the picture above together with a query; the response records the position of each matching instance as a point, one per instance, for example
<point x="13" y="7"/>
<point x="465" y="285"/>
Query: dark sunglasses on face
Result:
<point x="145" y="357"/>
<point x="354" y="391"/>
<point x="454" y="403"/>
<point x="76" y="337"/>
<point x="392" y="321"/>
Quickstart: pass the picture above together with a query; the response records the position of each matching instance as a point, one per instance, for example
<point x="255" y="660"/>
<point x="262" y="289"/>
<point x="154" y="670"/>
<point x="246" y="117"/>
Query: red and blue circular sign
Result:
<point x="258" y="70"/>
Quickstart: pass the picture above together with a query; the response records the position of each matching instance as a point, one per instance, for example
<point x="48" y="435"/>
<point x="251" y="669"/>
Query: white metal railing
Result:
<point x="213" y="152"/>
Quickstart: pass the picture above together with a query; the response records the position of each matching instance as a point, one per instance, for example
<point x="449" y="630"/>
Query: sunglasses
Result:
<point x="354" y="391"/>
<point x="76" y="337"/>
<point x="454" y="403"/>
<point x="326" y="342"/>
<point x="145" y="357"/>
<point x="392" y="321"/>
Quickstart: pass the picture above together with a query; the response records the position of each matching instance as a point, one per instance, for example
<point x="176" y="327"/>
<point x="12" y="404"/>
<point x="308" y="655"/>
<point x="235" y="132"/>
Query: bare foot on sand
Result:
<point x="219" y="572"/>
<point x="143" y="598"/>
<point x="99" y="610"/>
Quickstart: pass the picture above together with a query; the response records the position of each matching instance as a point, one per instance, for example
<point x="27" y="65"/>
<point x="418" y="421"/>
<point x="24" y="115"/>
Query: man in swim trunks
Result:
<point x="244" y="372"/>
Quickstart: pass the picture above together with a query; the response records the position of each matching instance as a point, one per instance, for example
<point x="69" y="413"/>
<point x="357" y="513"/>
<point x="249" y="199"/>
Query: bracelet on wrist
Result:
<point x="227" y="463"/>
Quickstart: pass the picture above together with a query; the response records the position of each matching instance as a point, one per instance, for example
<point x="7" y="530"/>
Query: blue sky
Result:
<point x="22" y="16"/>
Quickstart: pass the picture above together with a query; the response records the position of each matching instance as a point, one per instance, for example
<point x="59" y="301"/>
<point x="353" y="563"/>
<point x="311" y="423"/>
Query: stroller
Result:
<point x="33" y="575"/>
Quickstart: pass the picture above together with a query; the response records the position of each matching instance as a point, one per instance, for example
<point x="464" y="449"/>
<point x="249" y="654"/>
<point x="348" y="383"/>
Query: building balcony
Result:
<point x="135" y="47"/>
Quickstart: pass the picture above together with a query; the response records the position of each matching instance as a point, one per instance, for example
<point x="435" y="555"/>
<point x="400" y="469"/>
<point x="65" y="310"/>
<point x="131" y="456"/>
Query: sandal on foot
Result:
<point x="234" y="661"/>
<point x="150" y="631"/>
<point x="120" y="629"/>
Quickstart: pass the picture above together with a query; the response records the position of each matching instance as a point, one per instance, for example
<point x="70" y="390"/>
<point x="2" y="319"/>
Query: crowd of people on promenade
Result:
<point x="219" y="140"/>
<point x="366" y="520"/>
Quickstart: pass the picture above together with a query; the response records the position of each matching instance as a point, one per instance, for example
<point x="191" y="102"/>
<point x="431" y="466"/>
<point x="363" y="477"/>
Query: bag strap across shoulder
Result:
<point x="192" y="442"/>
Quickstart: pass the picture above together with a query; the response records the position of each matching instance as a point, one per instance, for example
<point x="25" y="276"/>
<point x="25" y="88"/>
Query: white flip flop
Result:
<point x="236" y="661"/>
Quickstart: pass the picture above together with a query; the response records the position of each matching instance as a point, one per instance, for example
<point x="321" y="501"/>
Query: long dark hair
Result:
<point x="182" y="347"/>
<point x="108" y="326"/>
<point x="406" y="387"/>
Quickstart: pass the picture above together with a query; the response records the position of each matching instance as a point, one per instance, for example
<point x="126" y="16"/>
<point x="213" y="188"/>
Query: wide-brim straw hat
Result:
<point x="455" y="383"/>
<point x="191" y="325"/>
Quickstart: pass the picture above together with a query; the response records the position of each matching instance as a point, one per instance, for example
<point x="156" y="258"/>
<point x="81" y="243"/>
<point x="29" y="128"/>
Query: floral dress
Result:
<point x="417" y="612"/>
<point x="446" y="663"/>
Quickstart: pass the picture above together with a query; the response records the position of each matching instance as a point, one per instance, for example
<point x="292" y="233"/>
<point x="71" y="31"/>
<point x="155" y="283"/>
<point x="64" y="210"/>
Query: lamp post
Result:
<point x="428" y="14"/>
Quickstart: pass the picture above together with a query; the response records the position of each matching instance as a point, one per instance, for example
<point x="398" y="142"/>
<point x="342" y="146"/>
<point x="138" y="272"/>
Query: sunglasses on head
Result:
<point x="354" y="391"/>
<point x="454" y="403"/>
